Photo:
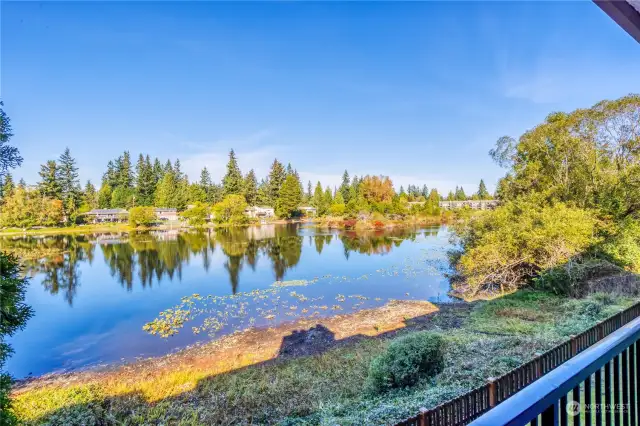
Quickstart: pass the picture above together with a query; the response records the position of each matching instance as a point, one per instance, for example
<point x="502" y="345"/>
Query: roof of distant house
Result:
<point x="165" y="210"/>
<point x="107" y="211"/>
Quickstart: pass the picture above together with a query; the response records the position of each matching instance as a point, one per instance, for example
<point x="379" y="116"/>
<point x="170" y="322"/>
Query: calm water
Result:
<point x="93" y="294"/>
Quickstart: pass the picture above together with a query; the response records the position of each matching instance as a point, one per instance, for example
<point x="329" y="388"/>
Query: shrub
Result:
<point x="349" y="223"/>
<point x="407" y="360"/>
<point x="572" y="278"/>
<point x="142" y="216"/>
<point x="378" y="224"/>
<point x="197" y="215"/>
<point x="508" y="247"/>
<point x="231" y="210"/>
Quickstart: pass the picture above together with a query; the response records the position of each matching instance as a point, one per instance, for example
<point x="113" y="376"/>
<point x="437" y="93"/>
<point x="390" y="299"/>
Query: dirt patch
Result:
<point x="258" y="345"/>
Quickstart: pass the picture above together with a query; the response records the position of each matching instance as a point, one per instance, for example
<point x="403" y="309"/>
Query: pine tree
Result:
<point x="110" y="176"/>
<point x="145" y="182"/>
<point x="290" y="170"/>
<point x="451" y="196"/>
<point x="49" y="184"/>
<point x="251" y="188"/>
<point x="402" y="191"/>
<point x="318" y="200"/>
<point x="483" y="194"/>
<point x="425" y="191"/>
<point x="176" y="169"/>
<point x="124" y="171"/>
<point x="232" y="181"/>
<point x="460" y="195"/>
<point x="90" y="197"/>
<point x="7" y="186"/>
<point x="345" y="186"/>
<point x="309" y="191"/>
<point x="158" y="172"/>
<point x="206" y="185"/>
<point x="263" y="193"/>
<point x="327" y="198"/>
<point x="289" y="198"/>
<point x="276" y="179"/>
<point x="166" y="191"/>
<point x="69" y="185"/>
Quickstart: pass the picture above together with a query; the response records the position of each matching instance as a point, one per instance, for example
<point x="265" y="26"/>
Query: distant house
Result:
<point x="107" y="215"/>
<point x="166" y="213"/>
<point x="308" y="210"/>
<point x="472" y="204"/>
<point x="259" y="212"/>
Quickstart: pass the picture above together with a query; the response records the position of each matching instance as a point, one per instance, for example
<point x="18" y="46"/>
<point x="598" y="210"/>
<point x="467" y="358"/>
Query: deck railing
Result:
<point x="470" y="406"/>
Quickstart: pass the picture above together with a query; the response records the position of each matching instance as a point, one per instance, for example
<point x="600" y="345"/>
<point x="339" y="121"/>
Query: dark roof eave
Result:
<point x="624" y="14"/>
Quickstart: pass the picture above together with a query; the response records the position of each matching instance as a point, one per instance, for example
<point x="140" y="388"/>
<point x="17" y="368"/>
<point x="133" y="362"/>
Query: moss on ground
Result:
<point x="327" y="388"/>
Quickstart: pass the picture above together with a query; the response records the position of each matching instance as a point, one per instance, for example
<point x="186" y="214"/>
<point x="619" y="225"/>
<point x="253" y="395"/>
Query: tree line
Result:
<point x="58" y="198"/>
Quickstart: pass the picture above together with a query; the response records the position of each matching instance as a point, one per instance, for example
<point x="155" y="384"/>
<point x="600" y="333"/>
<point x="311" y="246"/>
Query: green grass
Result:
<point x="328" y="388"/>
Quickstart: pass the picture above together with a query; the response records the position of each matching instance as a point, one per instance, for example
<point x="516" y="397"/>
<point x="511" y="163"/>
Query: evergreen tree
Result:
<point x="425" y="191"/>
<point x="166" y="190"/>
<point x="7" y="186"/>
<point x="89" y="197"/>
<point x="232" y="181"/>
<point x="318" y="200"/>
<point x="110" y="177"/>
<point x="483" y="194"/>
<point x="460" y="195"/>
<point x="451" y="196"/>
<point x="176" y="170"/>
<point x="290" y="170"/>
<point x="168" y="168"/>
<point x="355" y="185"/>
<point x="402" y="191"/>
<point x="145" y="182"/>
<point x="124" y="171"/>
<point x="158" y="172"/>
<point x="262" y="197"/>
<point x="22" y="184"/>
<point x="345" y="186"/>
<point x="49" y="184"/>
<point x="251" y="188"/>
<point x="206" y="185"/>
<point x="289" y="199"/>
<point x="104" y="196"/>
<point x="309" y="191"/>
<point x="69" y="185"/>
<point x="276" y="179"/>
<point x="327" y="199"/>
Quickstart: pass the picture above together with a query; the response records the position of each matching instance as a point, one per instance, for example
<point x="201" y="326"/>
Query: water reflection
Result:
<point x="148" y="258"/>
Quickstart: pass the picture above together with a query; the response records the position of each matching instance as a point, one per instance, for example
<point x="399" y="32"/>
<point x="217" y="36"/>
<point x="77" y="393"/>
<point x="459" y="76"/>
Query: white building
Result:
<point x="259" y="212"/>
<point x="308" y="210"/>
<point x="166" y="213"/>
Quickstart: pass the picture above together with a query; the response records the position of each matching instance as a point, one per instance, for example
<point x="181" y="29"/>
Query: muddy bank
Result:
<point x="259" y="345"/>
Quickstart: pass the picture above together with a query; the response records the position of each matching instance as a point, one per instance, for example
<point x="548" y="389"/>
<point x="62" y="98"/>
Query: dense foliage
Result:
<point x="141" y="216"/>
<point x="406" y="361"/>
<point x="14" y="313"/>
<point x="572" y="192"/>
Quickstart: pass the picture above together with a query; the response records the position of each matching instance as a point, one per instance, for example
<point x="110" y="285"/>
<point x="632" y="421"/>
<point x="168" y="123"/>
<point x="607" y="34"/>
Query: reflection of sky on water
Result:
<point x="92" y="298"/>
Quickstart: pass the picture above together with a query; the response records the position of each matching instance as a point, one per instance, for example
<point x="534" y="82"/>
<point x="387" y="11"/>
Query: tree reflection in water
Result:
<point x="156" y="255"/>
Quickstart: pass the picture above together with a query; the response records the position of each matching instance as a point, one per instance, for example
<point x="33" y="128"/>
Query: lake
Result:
<point x="92" y="294"/>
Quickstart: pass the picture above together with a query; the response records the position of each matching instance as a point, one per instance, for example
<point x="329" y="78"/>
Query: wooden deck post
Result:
<point x="493" y="392"/>
<point x="574" y="346"/>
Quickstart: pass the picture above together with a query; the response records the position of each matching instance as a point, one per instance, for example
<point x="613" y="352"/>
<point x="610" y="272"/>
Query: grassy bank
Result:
<point x="227" y="384"/>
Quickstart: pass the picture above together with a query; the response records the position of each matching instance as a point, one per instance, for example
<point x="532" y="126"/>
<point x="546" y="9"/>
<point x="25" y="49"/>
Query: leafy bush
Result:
<point x="142" y="216"/>
<point x="407" y="360"/>
<point x="623" y="247"/>
<point x="508" y="247"/>
<point x="231" y="210"/>
<point x="572" y="278"/>
<point x="197" y="215"/>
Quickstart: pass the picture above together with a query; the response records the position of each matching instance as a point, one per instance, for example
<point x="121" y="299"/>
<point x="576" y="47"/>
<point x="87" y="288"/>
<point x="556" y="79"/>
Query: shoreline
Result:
<point x="263" y="344"/>
<point x="125" y="228"/>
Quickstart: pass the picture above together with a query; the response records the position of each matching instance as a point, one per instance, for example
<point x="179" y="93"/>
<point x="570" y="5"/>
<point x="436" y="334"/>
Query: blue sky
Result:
<point x="416" y="91"/>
